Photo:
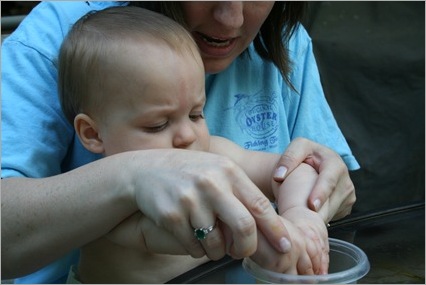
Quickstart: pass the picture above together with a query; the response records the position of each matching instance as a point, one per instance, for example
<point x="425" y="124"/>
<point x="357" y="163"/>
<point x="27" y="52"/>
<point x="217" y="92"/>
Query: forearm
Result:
<point x="46" y="218"/>
<point x="292" y="196"/>
<point x="295" y="189"/>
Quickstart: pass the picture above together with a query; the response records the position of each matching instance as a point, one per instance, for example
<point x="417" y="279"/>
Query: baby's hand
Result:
<point x="139" y="233"/>
<point x="315" y="235"/>
<point x="309" y="253"/>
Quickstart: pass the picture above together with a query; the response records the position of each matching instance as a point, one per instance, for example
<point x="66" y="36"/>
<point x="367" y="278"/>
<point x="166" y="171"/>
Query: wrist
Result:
<point x="122" y="180"/>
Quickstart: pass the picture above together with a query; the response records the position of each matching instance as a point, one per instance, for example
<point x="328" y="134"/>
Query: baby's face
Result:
<point x="156" y="101"/>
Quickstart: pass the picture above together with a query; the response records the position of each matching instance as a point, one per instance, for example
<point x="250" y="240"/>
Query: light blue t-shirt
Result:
<point x="251" y="104"/>
<point x="248" y="103"/>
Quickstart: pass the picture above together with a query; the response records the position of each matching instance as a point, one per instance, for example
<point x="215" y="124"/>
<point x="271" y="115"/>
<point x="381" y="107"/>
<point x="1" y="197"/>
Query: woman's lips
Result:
<point x="215" y="47"/>
<point x="215" y="41"/>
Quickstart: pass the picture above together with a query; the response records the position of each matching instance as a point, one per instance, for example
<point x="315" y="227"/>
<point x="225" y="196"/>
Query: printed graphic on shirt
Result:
<point x="257" y="116"/>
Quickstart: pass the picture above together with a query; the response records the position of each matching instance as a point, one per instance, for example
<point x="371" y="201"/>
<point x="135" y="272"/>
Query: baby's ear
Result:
<point x="88" y="134"/>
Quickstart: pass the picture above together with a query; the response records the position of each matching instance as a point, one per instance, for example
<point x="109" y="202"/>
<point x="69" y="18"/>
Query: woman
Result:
<point x="64" y="190"/>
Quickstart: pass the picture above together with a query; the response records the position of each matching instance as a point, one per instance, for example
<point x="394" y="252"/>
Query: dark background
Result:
<point x="371" y="57"/>
<point x="13" y="8"/>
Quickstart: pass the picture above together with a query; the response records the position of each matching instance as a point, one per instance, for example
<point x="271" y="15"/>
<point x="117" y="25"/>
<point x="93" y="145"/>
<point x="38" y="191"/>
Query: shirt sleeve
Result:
<point x="313" y="118"/>
<point x="35" y="134"/>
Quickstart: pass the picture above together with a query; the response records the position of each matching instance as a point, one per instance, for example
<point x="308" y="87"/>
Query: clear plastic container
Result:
<point x="348" y="263"/>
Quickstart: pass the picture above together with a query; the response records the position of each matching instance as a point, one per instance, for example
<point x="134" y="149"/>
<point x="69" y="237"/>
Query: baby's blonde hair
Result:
<point x="97" y="37"/>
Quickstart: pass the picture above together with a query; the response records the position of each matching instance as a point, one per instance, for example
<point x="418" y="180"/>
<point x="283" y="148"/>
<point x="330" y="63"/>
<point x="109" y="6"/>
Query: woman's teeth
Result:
<point x="215" y="42"/>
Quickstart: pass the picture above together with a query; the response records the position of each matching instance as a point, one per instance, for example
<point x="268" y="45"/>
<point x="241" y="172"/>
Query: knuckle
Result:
<point x="349" y="191"/>
<point x="246" y="226"/>
<point x="289" y="157"/>
<point x="214" y="242"/>
<point x="187" y="199"/>
<point x="260" y="206"/>
<point x="332" y="181"/>
<point x="228" y="166"/>
<point x="172" y="219"/>
<point x="343" y="169"/>
<point x="216" y="247"/>
<point x="206" y="181"/>
<point x="305" y="268"/>
<point x="208" y="184"/>
<point x="211" y="176"/>
<point x="195" y="249"/>
<point x="352" y="200"/>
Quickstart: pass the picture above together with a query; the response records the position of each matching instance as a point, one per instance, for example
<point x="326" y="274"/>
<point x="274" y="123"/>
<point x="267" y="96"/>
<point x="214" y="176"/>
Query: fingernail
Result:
<point x="280" y="172"/>
<point x="285" y="245"/>
<point x="317" y="204"/>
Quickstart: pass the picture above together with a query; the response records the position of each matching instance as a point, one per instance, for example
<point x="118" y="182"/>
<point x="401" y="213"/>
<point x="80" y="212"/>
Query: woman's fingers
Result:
<point x="267" y="257"/>
<point x="296" y="152"/>
<point x="333" y="183"/>
<point x="240" y="224"/>
<point x="207" y="231"/>
<point x="243" y="208"/>
<point x="270" y="224"/>
<point x="193" y="190"/>
<point x="264" y="216"/>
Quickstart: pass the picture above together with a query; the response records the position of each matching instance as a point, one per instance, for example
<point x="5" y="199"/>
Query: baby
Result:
<point x="131" y="79"/>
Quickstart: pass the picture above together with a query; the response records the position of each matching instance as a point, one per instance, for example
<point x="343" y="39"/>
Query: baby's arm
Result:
<point x="138" y="232"/>
<point x="259" y="166"/>
<point x="292" y="197"/>
<point x="307" y="229"/>
<point x="308" y="233"/>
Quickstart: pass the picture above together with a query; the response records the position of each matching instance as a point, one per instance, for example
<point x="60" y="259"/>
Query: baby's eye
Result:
<point x="196" y="117"/>
<point x="155" y="129"/>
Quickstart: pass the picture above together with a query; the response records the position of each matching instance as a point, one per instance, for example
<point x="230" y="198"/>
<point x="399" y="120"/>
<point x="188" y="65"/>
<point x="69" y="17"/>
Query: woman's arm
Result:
<point x="178" y="190"/>
<point x="46" y="218"/>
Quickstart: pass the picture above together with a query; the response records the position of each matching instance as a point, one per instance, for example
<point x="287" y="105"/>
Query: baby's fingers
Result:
<point x="325" y="260"/>
<point x="304" y="265"/>
<point x="314" y="249"/>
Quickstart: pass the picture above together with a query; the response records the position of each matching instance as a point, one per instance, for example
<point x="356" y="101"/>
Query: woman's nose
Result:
<point x="184" y="136"/>
<point x="229" y="13"/>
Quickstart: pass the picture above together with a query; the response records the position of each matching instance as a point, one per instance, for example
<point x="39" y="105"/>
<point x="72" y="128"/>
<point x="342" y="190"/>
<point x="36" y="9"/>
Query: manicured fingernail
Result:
<point x="317" y="204"/>
<point x="285" y="245"/>
<point x="280" y="172"/>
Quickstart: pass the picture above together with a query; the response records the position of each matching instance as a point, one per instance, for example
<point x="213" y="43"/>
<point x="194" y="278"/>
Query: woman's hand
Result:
<point x="310" y="250"/>
<point x="183" y="190"/>
<point x="333" y="185"/>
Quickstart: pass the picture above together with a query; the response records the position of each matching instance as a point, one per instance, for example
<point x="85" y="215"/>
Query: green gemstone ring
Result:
<point x="201" y="233"/>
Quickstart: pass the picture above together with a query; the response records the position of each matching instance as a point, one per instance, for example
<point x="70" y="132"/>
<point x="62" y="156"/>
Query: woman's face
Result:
<point x="223" y="30"/>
